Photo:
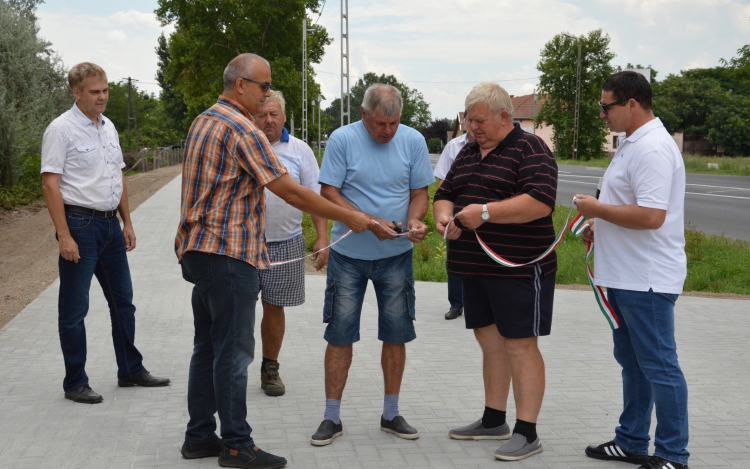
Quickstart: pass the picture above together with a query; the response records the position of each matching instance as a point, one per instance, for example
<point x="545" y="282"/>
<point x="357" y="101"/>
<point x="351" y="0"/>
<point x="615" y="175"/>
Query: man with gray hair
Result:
<point x="85" y="190"/>
<point x="381" y="168"/>
<point x="220" y="244"/>
<point x="502" y="189"/>
<point x="284" y="285"/>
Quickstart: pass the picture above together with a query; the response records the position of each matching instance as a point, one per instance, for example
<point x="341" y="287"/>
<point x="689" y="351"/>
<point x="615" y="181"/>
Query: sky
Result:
<point x="440" y="47"/>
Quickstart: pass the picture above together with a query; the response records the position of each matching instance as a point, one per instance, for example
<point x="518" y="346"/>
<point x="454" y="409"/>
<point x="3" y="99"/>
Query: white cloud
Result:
<point x="122" y="43"/>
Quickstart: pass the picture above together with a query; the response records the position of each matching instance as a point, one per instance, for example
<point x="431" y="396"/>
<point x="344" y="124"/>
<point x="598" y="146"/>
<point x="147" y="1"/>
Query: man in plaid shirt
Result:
<point x="221" y="243"/>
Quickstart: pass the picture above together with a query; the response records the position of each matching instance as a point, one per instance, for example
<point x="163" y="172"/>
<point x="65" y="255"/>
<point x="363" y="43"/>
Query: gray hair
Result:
<point x="387" y="98"/>
<point x="491" y="94"/>
<point x="278" y="96"/>
<point x="240" y="67"/>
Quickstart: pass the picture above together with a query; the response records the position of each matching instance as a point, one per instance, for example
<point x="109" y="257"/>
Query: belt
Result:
<point x="90" y="211"/>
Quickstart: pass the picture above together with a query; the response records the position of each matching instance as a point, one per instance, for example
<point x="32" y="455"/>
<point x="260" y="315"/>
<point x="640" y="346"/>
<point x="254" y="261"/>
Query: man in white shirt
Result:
<point x="284" y="285"/>
<point x="443" y="166"/>
<point x="640" y="258"/>
<point x="83" y="184"/>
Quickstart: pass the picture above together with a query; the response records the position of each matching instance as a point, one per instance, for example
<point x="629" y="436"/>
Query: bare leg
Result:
<point x="337" y="362"/>
<point x="393" y="361"/>
<point x="495" y="367"/>
<point x="527" y="369"/>
<point x="272" y="329"/>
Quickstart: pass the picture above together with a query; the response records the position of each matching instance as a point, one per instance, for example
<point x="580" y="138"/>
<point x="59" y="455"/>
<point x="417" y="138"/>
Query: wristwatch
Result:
<point x="485" y="213"/>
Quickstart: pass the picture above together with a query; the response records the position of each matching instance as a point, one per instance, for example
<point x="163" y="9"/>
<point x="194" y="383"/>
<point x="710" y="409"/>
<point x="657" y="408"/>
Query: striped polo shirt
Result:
<point x="520" y="164"/>
<point x="227" y="161"/>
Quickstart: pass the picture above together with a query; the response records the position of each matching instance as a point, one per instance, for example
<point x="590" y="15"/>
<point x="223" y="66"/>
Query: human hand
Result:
<point x="471" y="216"/>
<point x="359" y="221"/>
<point x="322" y="256"/>
<point x="383" y="229"/>
<point x="68" y="248"/>
<point x="418" y="231"/>
<point x="129" y="235"/>
<point x="588" y="232"/>
<point x="587" y="205"/>
<point x="444" y="223"/>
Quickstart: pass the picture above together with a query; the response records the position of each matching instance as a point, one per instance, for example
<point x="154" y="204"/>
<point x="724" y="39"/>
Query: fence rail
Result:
<point x="148" y="160"/>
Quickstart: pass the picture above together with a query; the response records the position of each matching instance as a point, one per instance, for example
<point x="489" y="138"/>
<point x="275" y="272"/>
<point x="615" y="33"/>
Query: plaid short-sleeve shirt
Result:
<point x="227" y="161"/>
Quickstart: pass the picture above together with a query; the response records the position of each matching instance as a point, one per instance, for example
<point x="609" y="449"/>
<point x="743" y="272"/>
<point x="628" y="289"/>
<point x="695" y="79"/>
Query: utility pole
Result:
<point x="304" y="80"/>
<point x="131" y="105"/>
<point x="345" y="104"/>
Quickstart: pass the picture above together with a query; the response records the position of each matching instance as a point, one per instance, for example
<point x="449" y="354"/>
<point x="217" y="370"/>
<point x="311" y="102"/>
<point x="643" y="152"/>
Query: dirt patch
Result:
<point x="28" y="249"/>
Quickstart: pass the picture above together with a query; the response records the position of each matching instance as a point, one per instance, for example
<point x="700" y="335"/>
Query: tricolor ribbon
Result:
<point x="274" y="264"/>
<point x="577" y="227"/>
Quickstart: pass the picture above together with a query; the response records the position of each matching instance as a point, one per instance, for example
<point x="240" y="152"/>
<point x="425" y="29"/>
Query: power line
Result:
<point x="321" y="12"/>
<point x="447" y="82"/>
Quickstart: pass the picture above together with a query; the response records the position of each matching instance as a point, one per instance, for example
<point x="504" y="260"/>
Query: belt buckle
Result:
<point x="109" y="214"/>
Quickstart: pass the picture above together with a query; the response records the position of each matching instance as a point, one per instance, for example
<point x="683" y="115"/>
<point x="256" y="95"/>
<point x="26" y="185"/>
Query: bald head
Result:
<point x="241" y="66"/>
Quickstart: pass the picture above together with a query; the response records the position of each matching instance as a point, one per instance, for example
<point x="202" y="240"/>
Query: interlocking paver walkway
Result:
<point x="142" y="427"/>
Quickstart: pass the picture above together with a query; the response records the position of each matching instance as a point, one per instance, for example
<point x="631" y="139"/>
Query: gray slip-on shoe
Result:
<point x="477" y="431"/>
<point x="399" y="427"/>
<point x="518" y="448"/>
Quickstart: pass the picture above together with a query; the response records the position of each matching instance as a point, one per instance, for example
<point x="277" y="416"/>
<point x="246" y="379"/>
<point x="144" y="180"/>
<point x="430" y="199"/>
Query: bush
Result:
<point x="435" y="145"/>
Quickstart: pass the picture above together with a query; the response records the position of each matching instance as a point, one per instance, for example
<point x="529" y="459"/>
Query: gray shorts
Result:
<point x="284" y="285"/>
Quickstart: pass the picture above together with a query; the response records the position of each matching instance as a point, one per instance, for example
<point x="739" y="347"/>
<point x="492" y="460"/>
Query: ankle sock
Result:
<point x="492" y="417"/>
<point x="390" y="407"/>
<point x="526" y="429"/>
<point x="263" y="365"/>
<point x="333" y="409"/>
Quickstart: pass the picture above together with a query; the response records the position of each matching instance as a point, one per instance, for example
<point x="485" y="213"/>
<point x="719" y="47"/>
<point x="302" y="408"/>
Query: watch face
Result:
<point x="485" y="216"/>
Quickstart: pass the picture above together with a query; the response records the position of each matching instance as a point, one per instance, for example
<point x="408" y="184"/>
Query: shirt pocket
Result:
<point x="114" y="152"/>
<point x="84" y="155"/>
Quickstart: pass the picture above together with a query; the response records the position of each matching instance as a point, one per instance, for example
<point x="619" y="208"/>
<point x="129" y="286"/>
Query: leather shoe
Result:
<point x="250" y="457"/>
<point x="144" y="379"/>
<point x="453" y="313"/>
<point x="205" y="449"/>
<point x="84" y="395"/>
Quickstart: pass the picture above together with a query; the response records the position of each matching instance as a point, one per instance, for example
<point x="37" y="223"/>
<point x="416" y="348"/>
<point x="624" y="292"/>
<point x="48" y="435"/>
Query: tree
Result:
<point x="558" y="85"/>
<point x="740" y="65"/>
<point x="171" y="99"/>
<point x="209" y="33"/>
<point x="684" y="103"/>
<point x="415" y="112"/>
<point x="33" y="89"/>
<point x="438" y="128"/>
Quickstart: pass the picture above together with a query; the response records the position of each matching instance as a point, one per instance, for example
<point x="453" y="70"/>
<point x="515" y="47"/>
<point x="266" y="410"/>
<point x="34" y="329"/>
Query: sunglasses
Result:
<point x="266" y="85"/>
<point x="605" y="107"/>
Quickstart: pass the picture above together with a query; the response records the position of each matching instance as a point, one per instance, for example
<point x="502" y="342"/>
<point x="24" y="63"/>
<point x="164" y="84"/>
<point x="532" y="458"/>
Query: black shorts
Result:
<point x="519" y="307"/>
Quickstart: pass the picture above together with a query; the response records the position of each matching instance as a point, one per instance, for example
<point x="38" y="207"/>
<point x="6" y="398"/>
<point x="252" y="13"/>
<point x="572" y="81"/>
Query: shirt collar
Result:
<point x="284" y="135"/>
<point x="235" y="105"/>
<point x="644" y="129"/>
<point x="82" y="118"/>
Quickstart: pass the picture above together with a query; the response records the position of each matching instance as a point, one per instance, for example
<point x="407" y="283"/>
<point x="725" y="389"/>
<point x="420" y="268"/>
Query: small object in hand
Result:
<point x="397" y="228"/>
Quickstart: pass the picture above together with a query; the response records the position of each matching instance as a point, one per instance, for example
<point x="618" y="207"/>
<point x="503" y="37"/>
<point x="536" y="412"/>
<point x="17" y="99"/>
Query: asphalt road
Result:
<point x="713" y="204"/>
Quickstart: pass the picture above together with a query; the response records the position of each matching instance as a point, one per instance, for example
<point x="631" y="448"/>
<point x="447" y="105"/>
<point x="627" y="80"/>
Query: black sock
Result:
<point x="263" y="365"/>
<point x="492" y="417"/>
<point x="526" y="429"/>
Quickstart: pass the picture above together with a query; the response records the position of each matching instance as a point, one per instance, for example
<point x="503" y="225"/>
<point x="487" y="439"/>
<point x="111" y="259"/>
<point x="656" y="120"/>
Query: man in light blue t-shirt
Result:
<point x="382" y="169"/>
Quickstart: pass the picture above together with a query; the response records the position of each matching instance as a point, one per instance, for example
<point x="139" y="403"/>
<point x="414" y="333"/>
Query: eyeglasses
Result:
<point x="605" y="107"/>
<point x="265" y="84"/>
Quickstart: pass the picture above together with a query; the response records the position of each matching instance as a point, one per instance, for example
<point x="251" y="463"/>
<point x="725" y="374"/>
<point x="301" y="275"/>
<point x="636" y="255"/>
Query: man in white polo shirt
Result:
<point x="640" y="258"/>
<point x="83" y="184"/>
<point x="284" y="285"/>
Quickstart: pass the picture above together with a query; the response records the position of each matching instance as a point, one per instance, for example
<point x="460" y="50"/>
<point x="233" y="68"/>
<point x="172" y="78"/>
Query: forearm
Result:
<point x="124" y="207"/>
<point x="321" y="227"/>
<point x="442" y="209"/>
<point x="418" y="204"/>
<point x="633" y="216"/>
<point x="519" y="209"/>
<point x="55" y="206"/>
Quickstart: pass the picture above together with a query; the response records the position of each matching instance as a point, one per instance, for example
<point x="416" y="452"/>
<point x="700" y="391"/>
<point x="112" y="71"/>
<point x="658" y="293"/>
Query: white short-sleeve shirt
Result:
<point x="647" y="170"/>
<point x="282" y="220"/>
<point x="87" y="157"/>
<point x="448" y="156"/>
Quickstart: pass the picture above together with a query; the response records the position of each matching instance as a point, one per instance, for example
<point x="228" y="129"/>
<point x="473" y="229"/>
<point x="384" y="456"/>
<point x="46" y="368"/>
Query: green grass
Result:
<point x="737" y="166"/>
<point x="715" y="263"/>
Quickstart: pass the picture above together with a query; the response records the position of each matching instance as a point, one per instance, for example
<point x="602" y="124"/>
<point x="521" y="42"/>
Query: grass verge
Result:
<point x="715" y="263"/>
<point x="737" y="166"/>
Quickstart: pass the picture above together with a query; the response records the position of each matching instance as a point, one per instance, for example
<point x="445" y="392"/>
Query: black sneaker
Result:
<point x="453" y="313"/>
<point x="327" y="431"/>
<point x="249" y="457"/>
<point x="399" y="427"/>
<point x="204" y="449"/>
<point x="611" y="452"/>
<point x="655" y="462"/>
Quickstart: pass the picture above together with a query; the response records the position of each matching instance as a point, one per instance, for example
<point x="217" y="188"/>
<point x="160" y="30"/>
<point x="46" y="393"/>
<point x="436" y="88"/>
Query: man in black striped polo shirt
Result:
<point x="503" y="186"/>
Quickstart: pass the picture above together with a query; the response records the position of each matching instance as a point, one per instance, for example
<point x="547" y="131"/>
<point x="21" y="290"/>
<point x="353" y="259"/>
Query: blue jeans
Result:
<point x="645" y="347"/>
<point x="393" y="281"/>
<point x="225" y="291"/>
<point x="102" y="250"/>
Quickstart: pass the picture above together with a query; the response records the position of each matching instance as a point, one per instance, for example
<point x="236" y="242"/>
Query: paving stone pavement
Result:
<point x="442" y="388"/>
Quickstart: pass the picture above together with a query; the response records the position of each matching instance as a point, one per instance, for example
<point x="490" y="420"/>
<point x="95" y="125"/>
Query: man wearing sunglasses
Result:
<point x="640" y="258"/>
<point x="221" y="245"/>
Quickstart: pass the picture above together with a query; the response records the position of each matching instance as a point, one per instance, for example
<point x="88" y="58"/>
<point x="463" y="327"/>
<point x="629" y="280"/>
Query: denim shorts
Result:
<point x="393" y="281"/>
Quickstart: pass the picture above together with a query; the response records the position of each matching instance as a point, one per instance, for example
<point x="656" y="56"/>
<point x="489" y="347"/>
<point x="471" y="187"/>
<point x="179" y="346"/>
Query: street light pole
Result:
<point x="578" y="97"/>
<point x="320" y="99"/>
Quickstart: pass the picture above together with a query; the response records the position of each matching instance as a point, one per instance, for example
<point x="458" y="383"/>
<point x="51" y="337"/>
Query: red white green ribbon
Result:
<point x="577" y="226"/>
<point x="274" y="264"/>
